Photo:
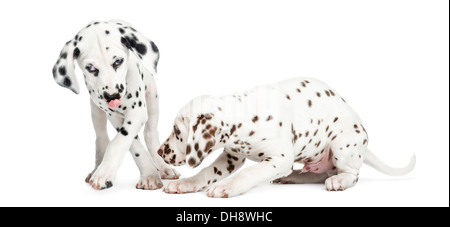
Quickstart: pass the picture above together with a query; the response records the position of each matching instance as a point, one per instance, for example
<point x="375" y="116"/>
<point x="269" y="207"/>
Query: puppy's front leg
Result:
<point x="102" y="140"/>
<point x="150" y="178"/>
<point x="222" y="167"/>
<point x="271" y="168"/>
<point x="151" y="133"/>
<point x="117" y="148"/>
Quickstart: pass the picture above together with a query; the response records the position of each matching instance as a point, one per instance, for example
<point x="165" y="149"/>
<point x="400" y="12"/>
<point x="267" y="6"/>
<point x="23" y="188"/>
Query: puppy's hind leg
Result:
<point x="348" y="151"/>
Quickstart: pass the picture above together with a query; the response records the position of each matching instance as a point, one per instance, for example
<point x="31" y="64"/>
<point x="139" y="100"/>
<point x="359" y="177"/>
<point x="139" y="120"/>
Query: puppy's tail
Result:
<point x="373" y="161"/>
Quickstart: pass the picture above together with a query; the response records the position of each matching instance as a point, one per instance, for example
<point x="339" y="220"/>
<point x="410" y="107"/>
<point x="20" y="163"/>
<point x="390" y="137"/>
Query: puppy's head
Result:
<point x="193" y="138"/>
<point x="102" y="50"/>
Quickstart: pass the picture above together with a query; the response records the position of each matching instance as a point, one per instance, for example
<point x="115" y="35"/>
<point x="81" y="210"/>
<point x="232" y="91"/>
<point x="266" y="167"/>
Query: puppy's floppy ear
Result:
<point x="141" y="46"/>
<point x="64" y="69"/>
<point x="201" y="139"/>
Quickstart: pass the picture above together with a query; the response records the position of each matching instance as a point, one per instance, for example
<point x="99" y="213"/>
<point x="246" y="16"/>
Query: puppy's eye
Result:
<point x="90" y="68"/>
<point x="117" y="63"/>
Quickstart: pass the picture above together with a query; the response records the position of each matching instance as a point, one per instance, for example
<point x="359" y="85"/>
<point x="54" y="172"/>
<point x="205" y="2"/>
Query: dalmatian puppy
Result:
<point x="301" y="120"/>
<point x="119" y="65"/>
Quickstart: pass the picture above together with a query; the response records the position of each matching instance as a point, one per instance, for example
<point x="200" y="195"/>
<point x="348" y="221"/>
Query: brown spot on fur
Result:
<point x="318" y="144"/>
<point x="327" y="93"/>
<point x="209" y="145"/>
<point x="195" y="127"/>
<point x="299" y="91"/>
<point x="213" y="131"/>
<point x="188" y="149"/>
<point x="260" y="154"/>
<point x="232" y="130"/>
<point x="192" y="161"/>
<point x="230" y="168"/>
<point x="357" y="131"/>
<point x="196" y="147"/>
<point x="255" y="119"/>
<point x="270" y="117"/>
<point x="335" y="119"/>
<point x="318" y="94"/>
<point x="309" y="103"/>
<point x="207" y="136"/>
<point x="251" y="133"/>
<point x="332" y="93"/>
<point x="288" y="97"/>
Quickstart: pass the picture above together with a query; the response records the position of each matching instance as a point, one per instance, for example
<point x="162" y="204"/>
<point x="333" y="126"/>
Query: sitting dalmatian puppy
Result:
<point x="300" y="120"/>
<point x="119" y="64"/>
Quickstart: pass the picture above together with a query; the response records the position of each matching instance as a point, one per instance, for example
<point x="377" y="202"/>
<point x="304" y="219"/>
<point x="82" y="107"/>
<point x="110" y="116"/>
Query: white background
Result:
<point x="388" y="59"/>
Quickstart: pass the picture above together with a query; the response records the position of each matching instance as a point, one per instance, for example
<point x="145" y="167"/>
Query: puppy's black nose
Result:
<point x="109" y="97"/>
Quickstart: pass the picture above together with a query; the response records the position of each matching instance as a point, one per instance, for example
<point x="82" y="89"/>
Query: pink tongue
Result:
<point x="114" y="103"/>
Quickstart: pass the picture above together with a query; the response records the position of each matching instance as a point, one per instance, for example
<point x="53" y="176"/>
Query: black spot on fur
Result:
<point x="141" y="48"/>
<point x="154" y="47"/>
<point x="62" y="70"/>
<point x="76" y="52"/>
<point x="121" y="31"/>
<point x="67" y="82"/>
<point x="63" y="55"/>
<point x="123" y="131"/>
<point x="125" y="42"/>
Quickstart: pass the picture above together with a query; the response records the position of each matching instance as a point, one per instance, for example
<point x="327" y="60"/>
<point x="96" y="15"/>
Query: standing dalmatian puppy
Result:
<point x="118" y="64"/>
<point x="299" y="120"/>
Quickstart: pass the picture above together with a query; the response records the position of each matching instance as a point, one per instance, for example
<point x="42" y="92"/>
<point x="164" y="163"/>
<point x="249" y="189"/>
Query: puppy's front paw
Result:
<point x="149" y="183"/>
<point x="187" y="185"/>
<point x="88" y="178"/>
<point x="169" y="173"/>
<point x="101" y="179"/>
<point x="340" y="182"/>
<point x="220" y="191"/>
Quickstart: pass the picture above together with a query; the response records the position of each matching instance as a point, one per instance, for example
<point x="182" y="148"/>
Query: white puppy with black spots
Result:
<point x="119" y="64"/>
<point x="300" y="120"/>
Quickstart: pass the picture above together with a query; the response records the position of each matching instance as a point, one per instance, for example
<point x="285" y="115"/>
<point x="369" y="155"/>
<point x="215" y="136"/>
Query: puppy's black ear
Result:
<point x="64" y="68"/>
<point x="141" y="46"/>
